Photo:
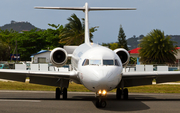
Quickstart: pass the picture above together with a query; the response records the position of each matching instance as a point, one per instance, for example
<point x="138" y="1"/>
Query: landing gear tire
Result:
<point x="101" y="104"/>
<point x="65" y="93"/>
<point x="58" y="93"/>
<point x="118" y="93"/>
<point x="97" y="104"/>
<point x="125" y="94"/>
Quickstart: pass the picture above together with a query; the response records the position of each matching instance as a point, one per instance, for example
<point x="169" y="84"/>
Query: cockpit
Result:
<point x="98" y="62"/>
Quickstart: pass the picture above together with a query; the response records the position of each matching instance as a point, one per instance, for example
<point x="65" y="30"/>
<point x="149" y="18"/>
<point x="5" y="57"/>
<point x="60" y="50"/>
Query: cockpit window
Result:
<point x="108" y="62"/>
<point x="94" y="62"/>
<point x="86" y="62"/>
<point x="91" y="62"/>
<point x="116" y="62"/>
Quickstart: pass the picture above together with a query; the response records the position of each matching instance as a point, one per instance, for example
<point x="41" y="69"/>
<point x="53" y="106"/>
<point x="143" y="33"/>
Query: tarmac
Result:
<point x="84" y="102"/>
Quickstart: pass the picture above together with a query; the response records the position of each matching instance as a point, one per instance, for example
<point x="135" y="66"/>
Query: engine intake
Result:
<point x="58" y="57"/>
<point x="123" y="55"/>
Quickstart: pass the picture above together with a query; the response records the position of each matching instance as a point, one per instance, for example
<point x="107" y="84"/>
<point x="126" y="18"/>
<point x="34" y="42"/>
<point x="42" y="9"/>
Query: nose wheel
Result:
<point x="101" y="103"/>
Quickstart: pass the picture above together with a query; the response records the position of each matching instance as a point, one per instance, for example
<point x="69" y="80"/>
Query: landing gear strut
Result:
<point x="123" y="92"/>
<point x="61" y="92"/>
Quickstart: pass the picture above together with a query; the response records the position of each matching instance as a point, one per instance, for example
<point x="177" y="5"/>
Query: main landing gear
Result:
<point x="122" y="92"/>
<point x="101" y="102"/>
<point x="62" y="91"/>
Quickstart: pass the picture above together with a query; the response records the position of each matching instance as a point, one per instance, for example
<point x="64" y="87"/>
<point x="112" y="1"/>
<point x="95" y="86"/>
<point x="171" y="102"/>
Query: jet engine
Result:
<point x="58" y="57"/>
<point x="123" y="55"/>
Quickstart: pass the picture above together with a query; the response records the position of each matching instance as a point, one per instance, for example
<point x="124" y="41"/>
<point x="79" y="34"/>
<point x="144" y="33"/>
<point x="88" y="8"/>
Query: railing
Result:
<point x="155" y="67"/>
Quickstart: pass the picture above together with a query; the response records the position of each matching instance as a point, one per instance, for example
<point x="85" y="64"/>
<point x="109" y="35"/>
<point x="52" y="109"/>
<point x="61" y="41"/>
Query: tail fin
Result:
<point x="86" y="9"/>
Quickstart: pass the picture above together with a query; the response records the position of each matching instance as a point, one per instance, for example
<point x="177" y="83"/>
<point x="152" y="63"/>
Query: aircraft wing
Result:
<point x="52" y="78"/>
<point x="130" y="79"/>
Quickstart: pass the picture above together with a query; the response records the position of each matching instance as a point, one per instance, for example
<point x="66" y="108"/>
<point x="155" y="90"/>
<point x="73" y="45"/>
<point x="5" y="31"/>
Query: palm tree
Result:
<point x="156" y="48"/>
<point x="74" y="31"/>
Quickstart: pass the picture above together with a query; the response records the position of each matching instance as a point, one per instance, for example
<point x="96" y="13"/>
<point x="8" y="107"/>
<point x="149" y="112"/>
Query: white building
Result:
<point x="42" y="56"/>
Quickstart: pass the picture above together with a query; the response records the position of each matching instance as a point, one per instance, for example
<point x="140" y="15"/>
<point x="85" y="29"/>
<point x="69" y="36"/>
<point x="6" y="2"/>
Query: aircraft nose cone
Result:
<point x="104" y="79"/>
<point x="102" y="74"/>
<point x="101" y="78"/>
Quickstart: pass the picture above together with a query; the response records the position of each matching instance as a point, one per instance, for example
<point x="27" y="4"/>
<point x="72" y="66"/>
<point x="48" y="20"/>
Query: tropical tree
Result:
<point x="6" y="45"/>
<point x="157" y="48"/>
<point x="51" y="36"/>
<point x="4" y="51"/>
<point x="106" y="44"/>
<point x="29" y="42"/>
<point x="74" y="31"/>
<point x="133" y="60"/>
<point x="112" y="46"/>
<point x="122" y="42"/>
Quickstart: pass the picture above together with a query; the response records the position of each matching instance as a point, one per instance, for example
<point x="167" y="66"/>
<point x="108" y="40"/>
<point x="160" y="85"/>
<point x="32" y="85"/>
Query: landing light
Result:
<point x="99" y="92"/>
<point x="102" y="92"/>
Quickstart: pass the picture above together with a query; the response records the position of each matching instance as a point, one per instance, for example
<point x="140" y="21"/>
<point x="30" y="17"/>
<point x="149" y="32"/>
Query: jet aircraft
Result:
<point x="96" y="67"/>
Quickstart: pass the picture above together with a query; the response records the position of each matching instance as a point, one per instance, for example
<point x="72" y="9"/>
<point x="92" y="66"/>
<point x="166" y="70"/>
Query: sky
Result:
<point x="150" y="14"/>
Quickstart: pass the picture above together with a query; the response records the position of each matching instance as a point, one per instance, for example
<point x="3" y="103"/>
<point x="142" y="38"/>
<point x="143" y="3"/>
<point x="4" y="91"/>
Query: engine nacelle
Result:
<point x="123" y="55"/>
<point x="58" y="57"/>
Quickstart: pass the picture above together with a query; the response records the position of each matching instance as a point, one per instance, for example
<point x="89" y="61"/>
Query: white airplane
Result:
<point x="98" y="68"/>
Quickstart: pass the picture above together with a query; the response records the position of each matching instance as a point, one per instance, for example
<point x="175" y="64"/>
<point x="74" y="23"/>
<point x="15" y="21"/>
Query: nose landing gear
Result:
<point x="101" y="102"/>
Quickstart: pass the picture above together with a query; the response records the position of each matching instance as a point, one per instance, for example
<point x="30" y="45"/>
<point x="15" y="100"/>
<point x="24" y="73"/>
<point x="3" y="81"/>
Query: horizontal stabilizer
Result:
<point x="86" y="9"/>
<point x="89" y="9"/>
<point x="61" y="8"/>
<point x="109" y="8"/>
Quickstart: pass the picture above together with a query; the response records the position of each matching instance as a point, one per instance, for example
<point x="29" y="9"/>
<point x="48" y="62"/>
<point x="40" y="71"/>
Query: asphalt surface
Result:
<point x="79" y="102"/>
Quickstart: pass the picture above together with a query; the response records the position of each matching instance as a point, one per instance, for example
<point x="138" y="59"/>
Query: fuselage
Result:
<point x="99" y="67"/>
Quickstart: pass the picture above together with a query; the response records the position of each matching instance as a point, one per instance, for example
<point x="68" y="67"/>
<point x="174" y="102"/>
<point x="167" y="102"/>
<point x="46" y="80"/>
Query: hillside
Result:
<point x="26" y="26"/>
<point x="18" y="26"/>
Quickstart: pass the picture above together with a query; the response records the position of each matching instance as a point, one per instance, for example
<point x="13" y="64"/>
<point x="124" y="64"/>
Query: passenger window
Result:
<point x="108" y="62"/>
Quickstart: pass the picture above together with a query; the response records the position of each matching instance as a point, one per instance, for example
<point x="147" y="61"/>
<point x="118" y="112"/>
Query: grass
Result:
<point x="156" y="89"/>
<point x="80" y="88"/>
<point x="34" y="87"/>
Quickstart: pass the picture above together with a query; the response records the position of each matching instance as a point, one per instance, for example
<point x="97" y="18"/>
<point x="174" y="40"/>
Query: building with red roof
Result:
<point x="135" y="53"/>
